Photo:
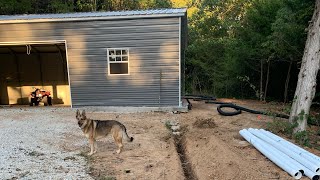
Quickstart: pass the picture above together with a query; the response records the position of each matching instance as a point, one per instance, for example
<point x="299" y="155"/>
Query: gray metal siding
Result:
<point x="154" y="58"/>
<point x="101" y="14"/>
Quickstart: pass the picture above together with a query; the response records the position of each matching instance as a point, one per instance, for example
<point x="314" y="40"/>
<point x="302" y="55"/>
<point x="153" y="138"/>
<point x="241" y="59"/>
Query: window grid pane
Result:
<point x="118" y="61"/>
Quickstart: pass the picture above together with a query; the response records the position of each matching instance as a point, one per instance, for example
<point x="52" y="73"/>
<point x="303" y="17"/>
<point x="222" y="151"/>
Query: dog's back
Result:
<point x="103" y="128"/>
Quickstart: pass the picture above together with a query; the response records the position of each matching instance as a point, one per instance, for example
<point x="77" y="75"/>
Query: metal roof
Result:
<point x="93" y="15"/>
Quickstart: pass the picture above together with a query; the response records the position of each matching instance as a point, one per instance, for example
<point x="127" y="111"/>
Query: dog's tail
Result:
<point x="125" y="134"/>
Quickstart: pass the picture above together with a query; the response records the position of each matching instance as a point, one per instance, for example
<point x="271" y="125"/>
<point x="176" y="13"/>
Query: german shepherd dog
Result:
<point x="96" y="129"/>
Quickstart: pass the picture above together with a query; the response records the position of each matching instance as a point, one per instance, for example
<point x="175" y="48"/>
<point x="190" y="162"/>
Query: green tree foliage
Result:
<point x="58" y="6"/>
<point x="212" y="42"/>
<point x="237" y="48"/>
<point x="275" y="32"/>
<point x="63" y="6"/>
<point x="16" y="7"/>
<point x="249" y="35"/>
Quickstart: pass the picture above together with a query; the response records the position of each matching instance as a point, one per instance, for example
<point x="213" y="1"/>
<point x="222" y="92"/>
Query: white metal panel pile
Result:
<point x="291" y="158"/>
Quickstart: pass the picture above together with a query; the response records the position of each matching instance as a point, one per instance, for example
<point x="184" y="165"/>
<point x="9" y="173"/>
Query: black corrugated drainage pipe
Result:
<point x="239" y="109"/>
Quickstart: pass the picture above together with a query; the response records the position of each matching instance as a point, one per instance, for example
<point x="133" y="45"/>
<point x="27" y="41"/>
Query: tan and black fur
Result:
<point x="96" y="129"/>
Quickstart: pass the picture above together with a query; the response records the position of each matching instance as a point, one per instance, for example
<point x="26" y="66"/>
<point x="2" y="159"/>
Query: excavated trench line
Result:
<point x="185" y="163"/>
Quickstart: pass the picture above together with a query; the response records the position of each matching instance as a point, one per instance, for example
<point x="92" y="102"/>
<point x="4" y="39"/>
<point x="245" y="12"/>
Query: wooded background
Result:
<point x="236" y="48"/>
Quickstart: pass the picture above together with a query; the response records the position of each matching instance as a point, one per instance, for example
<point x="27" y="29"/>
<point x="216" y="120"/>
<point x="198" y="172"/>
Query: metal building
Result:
<point x="123" y="58"/>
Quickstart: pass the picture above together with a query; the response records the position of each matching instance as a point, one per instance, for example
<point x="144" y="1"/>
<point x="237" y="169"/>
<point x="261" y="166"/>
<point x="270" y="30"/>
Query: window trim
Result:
<point x="116" y="62"/>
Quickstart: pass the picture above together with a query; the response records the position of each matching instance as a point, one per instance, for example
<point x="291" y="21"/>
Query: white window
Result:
<point x="118" y="60"/>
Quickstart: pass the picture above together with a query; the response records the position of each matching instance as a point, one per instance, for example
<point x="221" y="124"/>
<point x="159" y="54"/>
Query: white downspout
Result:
<point x="273" y="154"/>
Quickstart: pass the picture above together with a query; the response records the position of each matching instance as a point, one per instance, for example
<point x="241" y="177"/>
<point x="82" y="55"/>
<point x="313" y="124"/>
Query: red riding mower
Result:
<point x="40" y="95"/>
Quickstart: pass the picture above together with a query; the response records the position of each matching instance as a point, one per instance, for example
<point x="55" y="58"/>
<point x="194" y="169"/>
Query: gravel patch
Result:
<point x="41" y="143"/>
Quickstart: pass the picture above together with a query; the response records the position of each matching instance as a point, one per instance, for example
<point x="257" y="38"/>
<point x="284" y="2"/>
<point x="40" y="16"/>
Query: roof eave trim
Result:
<point x="90" y="18"/>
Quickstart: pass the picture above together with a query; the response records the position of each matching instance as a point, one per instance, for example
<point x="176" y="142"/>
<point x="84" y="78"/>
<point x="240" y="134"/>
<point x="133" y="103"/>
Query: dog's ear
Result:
<point x="78" y="112"/>
<point x="83" y="113"/>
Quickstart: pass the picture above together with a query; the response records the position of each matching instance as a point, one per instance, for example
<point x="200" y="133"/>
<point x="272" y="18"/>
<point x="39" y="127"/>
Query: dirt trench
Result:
<point x="184" y="159"/>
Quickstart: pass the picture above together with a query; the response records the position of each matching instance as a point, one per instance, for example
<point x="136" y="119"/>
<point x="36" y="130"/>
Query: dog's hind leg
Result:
<point x="117" y="136"/>
<point x="120" y="145"/>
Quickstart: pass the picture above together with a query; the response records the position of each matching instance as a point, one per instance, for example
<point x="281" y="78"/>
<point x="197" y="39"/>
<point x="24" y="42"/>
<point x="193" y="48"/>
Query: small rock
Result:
<point x="175" y="128"/>
<point x="173" y="123"/>
<point x="127" y="170"/>
<point x="243" y="143"/>
<point x="176" y="133"/>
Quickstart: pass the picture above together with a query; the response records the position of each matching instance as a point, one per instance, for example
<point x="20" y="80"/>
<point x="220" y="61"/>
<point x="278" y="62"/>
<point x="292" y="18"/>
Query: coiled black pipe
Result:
<point x="239" y="109"/>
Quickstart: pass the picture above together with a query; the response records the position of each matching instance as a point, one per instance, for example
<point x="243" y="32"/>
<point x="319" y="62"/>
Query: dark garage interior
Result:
<point x="24" y="67"/>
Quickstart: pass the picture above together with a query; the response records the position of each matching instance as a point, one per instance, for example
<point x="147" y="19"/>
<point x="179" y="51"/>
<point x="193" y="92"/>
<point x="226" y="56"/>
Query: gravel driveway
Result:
<point x="41" y="143"/>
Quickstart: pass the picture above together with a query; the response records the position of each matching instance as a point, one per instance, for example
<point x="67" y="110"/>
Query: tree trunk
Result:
<point x="261" y="80"/>
<point x="267" y="82"/>
<point x="285" y="94"/>
<point x="306" y="86"/>
<point x="95" y="5"/>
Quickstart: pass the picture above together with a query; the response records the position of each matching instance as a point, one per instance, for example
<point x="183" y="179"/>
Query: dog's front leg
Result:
<point x="95" y="146"/>
<point x="92" y="145"/>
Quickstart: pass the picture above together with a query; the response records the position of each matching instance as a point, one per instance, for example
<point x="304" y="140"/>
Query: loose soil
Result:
<point x="211" y="145"/>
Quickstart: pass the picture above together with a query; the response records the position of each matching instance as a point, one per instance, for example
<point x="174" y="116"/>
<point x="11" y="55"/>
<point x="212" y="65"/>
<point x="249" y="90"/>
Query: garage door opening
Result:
<point x="25" y="66"/>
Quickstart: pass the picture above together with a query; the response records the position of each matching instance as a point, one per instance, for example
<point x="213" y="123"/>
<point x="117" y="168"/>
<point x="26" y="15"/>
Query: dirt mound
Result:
<point x="205" y="123"/>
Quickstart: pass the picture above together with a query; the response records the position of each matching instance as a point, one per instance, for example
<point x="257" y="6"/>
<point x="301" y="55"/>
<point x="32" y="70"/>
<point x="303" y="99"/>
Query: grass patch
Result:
<point x="308" y="138"/>
<point x="168" y="125"/>
<point x="314" y="120"/>
<point x="302" y="138"/>
<point x="280" y="126"/>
